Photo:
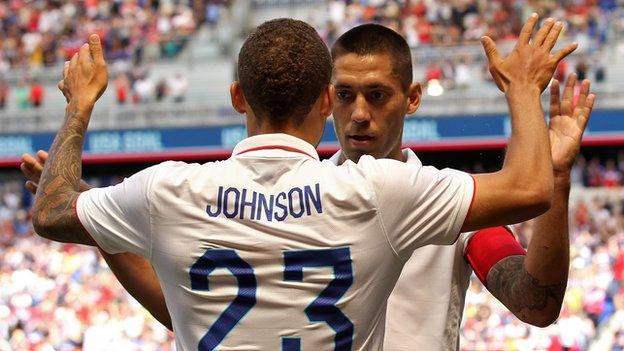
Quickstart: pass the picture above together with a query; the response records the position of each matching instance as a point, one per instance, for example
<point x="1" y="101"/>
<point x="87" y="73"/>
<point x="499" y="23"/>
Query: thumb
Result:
<point x="490" y="49"/>
<point x="95" y="48"/>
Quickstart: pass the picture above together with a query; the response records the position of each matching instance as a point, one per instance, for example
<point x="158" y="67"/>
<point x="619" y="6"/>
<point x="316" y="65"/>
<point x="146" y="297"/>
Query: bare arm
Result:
<point x="533" y="286"/>
<point x="134" y="272"/>
<point x="138" y="277"/>
<point x="85" y="79"/>
<point x="515" y="194"/>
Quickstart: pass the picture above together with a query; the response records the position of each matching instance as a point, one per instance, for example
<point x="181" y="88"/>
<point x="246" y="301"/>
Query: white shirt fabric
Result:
<point x="343" y="234"/>
<point x="426" y="306"/>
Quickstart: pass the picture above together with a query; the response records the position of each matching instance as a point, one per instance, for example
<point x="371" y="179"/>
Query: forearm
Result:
<point x="529" y="299"/>
<point x="533" y="286"/>
<point x="53" y="214"/>
<point x="528" y="162"/>
<point x="522" y="189"/>
<point x="137" y="276"/>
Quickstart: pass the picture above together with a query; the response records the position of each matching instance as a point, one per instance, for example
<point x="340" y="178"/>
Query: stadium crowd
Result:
<point x="45" y="32"/>
<point x="431" y="23"/>
<point x="436" y="23"/>
<point x="63" y="297"/>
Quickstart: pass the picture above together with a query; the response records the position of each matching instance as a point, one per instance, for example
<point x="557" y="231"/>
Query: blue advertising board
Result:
<point x="466" y="130"/>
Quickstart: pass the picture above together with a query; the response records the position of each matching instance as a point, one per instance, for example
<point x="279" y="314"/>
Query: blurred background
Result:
<point x="171" y="63"/>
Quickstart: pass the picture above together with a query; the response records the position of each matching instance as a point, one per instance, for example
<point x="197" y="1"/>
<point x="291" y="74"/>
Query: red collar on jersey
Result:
<point x="273" y="147"/>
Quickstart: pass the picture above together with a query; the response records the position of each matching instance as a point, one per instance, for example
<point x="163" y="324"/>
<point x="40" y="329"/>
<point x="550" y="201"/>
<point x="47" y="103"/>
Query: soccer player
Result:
<point x="374" y="91"/>
<point x="271" y="248"/>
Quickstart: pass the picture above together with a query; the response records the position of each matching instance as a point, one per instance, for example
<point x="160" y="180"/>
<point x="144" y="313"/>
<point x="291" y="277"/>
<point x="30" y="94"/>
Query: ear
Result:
<point x="414" y="95"/>
<point x="238" y="98"/>
<point x="327" y="106"/>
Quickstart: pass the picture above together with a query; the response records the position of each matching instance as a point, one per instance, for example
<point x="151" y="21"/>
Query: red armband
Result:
<point x="488" y="246"/>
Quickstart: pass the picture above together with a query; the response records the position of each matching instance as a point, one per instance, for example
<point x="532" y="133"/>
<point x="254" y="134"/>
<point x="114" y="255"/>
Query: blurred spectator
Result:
<point x="122" y="88"/>
<point x="562" y="71"/>
<point x="582" y="69"/>
<point x="36" y="93"/>
<point x="4" y="93"/>
<point x="22" y="94"/>
<point x="178" y="86"/>
<point x="144" y="87"/>
<point x="612" y="176"/>
<point x="463" y="76"/>
<point x="161" y="90"/>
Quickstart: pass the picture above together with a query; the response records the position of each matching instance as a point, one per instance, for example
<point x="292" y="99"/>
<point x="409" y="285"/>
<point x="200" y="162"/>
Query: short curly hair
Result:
<point x="283" y="67"/>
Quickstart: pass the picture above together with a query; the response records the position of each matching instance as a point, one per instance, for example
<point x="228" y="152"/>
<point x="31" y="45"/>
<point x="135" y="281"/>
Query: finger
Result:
<point x="26" y="170"/>
<point x="582" y="98"/>
<point x="555" y="107"/>
<point x="72" y="64"/>
<point x="552" y="37"/>
<point x="568" y="95"/>
<point x="561" y="54"/>
<point x="29" y="173"/>
<point x="490" y="49"/>
<point x="587" y="110"/>
<point x="527" y="30"/>
<point x="42" y="156"/>
<point x="95" y="48"/>
<point x="31" y="186"/>
<point x="543" y="32"/>
<point x="28" y="159"/>
<point x="83" y="53"/>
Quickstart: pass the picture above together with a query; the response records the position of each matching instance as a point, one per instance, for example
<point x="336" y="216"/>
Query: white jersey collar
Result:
<point x="277" y="141"/>
<point x="410" y="157"/>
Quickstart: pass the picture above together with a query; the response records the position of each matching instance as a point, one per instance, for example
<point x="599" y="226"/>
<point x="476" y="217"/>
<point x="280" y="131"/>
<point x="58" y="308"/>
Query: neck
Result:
<point x="299" y="132"/>
<point x="397" y="155"/>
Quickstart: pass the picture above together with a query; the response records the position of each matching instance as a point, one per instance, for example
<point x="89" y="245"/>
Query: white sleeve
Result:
<point x="420" y="205"/>
<point x="118" y="217"/>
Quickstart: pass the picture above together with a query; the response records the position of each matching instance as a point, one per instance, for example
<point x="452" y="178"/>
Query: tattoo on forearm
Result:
<point x="519" y="290"/>
<point x="58" y="187"/>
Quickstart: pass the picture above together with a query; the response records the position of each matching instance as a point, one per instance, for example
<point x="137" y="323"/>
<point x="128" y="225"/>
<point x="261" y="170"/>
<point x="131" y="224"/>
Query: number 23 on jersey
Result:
<point x="321" y="309"/>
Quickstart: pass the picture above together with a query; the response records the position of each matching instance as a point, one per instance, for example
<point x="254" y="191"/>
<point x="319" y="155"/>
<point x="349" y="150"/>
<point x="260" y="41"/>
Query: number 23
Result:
<point x="322" y="309"/>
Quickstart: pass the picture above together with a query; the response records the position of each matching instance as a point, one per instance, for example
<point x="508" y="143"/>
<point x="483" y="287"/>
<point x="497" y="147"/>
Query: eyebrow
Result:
<point x="367" y="87"/>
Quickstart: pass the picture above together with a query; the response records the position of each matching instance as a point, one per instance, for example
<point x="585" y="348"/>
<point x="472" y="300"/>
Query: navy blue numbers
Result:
<point x="321" y="309"/>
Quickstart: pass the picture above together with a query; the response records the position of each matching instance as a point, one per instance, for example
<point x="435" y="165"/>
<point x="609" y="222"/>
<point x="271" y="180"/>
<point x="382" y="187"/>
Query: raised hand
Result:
<point x="530" y="63"/>
<point x="32" y="167"/>
<point x="568" y="122"/>
<point x="85" y="76"/>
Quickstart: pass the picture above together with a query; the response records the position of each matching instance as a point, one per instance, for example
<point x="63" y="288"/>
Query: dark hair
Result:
<point x="368" y="39"/>
<point x="282" y="68"/>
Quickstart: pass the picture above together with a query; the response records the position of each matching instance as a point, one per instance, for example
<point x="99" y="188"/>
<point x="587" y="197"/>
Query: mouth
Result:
<point x="360" y="140"/>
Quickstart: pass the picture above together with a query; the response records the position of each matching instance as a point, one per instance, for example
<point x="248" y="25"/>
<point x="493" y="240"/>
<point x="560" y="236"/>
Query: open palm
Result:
<point x="568" y="122"/>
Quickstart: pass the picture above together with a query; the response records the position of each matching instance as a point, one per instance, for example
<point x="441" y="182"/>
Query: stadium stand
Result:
<point x="453" y="70"/>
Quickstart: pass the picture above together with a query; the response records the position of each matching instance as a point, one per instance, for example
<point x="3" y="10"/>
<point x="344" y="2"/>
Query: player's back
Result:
<point x="273" y="249"/>
<point x="277" y="250"/>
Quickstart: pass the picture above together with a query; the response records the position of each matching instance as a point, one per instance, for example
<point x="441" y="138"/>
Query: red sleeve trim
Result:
<point x="474" y="194"/>
<point x="488" y="246"/>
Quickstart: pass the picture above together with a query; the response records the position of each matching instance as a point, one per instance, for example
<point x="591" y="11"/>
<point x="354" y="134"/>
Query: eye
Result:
<point x="343" y="95"/>
<point x="378" y="95"/>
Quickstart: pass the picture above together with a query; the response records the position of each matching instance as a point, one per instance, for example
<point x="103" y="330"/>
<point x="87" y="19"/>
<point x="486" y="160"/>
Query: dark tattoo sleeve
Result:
<point x="522" y="293"/>
<point x="54" y="215"/>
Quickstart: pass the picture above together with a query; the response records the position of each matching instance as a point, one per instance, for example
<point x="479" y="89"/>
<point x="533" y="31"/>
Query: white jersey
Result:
<point x="273" y="249"/>
<point x="426" y="306"/>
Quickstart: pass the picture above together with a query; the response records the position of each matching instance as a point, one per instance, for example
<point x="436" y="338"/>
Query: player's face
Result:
<point x="370" y="106"/>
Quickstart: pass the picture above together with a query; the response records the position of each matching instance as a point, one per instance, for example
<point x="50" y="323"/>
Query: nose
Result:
<point x="360" y="114"/>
